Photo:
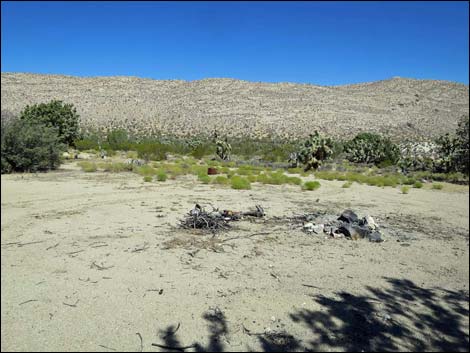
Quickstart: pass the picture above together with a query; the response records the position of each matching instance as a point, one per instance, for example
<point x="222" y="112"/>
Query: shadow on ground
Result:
<point x="402" y="317"/>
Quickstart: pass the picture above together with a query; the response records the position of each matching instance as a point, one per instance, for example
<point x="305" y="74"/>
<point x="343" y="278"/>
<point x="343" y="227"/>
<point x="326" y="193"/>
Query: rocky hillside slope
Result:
<point x="399" y="107"/>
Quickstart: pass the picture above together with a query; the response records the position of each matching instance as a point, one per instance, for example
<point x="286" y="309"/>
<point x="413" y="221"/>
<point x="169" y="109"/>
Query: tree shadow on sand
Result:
<point x="401" y="317"/>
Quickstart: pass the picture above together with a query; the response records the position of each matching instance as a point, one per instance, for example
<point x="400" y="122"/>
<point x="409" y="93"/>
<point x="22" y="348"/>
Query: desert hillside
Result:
<point x="399" y="107"/>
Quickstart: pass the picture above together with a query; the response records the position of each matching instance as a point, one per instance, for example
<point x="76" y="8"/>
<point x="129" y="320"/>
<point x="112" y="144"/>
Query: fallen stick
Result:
<point x="32" y="242"/>
<point x="72" y="305"/>
<point x="106" y="347"/>
<point x="248" y="236"/>
<point x="53" y="246"/>
<point x="180" y="349"/>
<point x="141" y="341"/>
<point x="29" y="301"/>
<point x="74" y="252"/>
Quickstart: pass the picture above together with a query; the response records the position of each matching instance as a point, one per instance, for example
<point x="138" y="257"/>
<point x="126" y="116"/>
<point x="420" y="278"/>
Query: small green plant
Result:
<point x="220" y="179"/>
<point x="161" y="175"/>
<point x="147" y="178"/>
<point x="347" y="185"/>
<point x="205" y="179"/>
<point x="311" y="185"/>
<point x="240" y="183"/>
<point x="405" y="189"/>
<point x="88" y="167"/>
<point x="418" y="185"/>
<point x="145" y="170"/>
<point x="436" y="186"/>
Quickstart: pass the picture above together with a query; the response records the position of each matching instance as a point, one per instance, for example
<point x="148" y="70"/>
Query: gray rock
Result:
<point x="348" y="216"/>
<point x="375" y="237"/>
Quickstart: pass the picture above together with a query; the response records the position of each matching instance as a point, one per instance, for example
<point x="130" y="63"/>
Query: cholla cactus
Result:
<point x="314" y="150"/>
<point x="223" y="147"/>
<point x="371" y="148"/>
<point x="418" y="156"/>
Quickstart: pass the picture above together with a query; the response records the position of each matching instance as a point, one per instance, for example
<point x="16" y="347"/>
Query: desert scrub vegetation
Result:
<point x="311" y="185"/>
<point x="436" y="186"/>
<point x="147" y="178"/>
<point x="240" y="183"/>
<point x="205" y="179"/>
<point x="161" y="175"/>
<point x="28" y="146"/>
<point x="405" y="189"/>
<point x="346" y="185"/>
<point x="418" y="185"/>
<point x="88" y="167"/>
<point x="312" y="152"/>
<point x="221" y="180"/>
<point x="57" y="115"/>
<point x="372" y="148"/>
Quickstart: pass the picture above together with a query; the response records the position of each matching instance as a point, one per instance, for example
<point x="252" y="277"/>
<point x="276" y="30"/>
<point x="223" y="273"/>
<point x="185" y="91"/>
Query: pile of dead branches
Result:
<point x="215" y="220"/>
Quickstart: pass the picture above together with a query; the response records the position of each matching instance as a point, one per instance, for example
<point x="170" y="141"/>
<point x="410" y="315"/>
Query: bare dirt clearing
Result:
<point x="94" y="262"/>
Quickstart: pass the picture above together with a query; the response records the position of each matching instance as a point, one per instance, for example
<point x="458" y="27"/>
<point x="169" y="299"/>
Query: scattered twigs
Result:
<point x="248" y="236"/>
<point x="31" y="242"/>
<point x="101" y="345"/>
<point x="72" y="305"/>
<point x="179" y="349"/>
<point x="141" y="341"/>
<point x="143" y="248"/>
<point x="172" y="332"/>
<point x="75" y="252"/>
<point x="100" y="268"/>
<point x="53" y="246"/>
<point x="29" y="301"/>
<point x="275" y="276"/>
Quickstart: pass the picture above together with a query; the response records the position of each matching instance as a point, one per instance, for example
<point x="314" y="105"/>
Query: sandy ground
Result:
<point x="94" y="262"/>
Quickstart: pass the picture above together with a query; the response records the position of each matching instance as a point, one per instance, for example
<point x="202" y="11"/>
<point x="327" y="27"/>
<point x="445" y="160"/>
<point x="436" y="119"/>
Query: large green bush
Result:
<point x="118" y="140"/>
<point x="55" y="114"/>
<point x="29" y="147"/>
<point x="372" y="148"/>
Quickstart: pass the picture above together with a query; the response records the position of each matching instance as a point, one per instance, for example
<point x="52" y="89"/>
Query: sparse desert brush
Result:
<point x="437" y="186"/>
<point x="131" y="154"/>
<point x="294" y="180"/>
<point x="147" y="178"/>
<point x="240" y="183"/>
<point x="161" y="175"/>
<point x="418" y="185"/>
<point x="311" y="185"/>
<point x="220" y="179"/>
<point x="252" y="178"/>
<point x="409" y="181"/>
<point x="405" y="189"/>
<point x="199" y="169"/>
<point x="205" y="179"/>
<point x="347" y="185"/>
<point x="88" y="166"/>
<point x="294" y="170"/>
<point x="145" y="170"/>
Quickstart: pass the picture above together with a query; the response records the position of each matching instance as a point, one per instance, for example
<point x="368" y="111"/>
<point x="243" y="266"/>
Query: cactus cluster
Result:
<point x="312" y="152"/>
<point x="223" y="147"/>
<point x="372" y="148"/>
<point x="418" y="156"/>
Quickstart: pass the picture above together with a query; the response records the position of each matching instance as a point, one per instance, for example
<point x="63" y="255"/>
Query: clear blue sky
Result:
<point x="326" y="43"/>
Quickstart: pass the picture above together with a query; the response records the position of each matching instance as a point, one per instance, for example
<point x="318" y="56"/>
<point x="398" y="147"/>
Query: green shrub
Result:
<point x="29" y="147"/>
<point x="347" y="185"/>
<point x="152" y="151"/>
<point x="311" y="185"/>
<point x="88" y="166"/>
<point x="205" y="179"/>
<point x="405" y="189"/>
<point x="418" y="185"/>
<point x="294" y="180"/>
<point x="436" y="186"/>
<point x="201" y="150"/>
<point x="147" y="178"/>
<point x="86" y="144"/>
<point x="145" y="170"/>
<point x="372" y="148"/>
<point x="240" y="183"/>
<point x="57" y="115"/>
<point x="161" y="175"/>
<point x="118" y="140"/>
<point x="220" y="179"/>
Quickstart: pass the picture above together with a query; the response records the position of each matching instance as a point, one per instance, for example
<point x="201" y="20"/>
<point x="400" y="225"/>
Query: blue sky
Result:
<point x="327" y="43"/>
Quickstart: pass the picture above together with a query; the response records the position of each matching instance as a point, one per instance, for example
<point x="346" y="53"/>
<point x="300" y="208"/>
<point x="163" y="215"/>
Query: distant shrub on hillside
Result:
<point x="57" y="115"/>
